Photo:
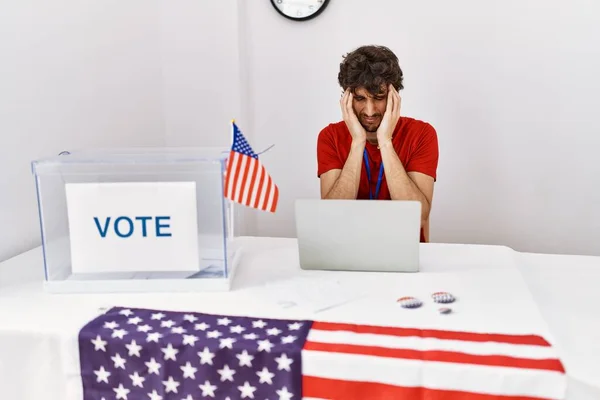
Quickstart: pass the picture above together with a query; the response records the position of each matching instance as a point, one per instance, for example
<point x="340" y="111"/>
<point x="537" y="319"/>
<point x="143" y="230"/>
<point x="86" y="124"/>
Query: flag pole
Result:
<point x="231" y="203"/>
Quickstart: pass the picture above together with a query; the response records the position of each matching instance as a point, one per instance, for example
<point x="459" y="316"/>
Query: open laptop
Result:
<point x="358" y="235"/>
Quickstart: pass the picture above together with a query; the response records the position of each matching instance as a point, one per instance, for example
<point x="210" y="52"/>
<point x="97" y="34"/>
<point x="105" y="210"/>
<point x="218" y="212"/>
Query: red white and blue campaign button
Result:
<point x="410" y="302"/>
<point x="443" y="297"/>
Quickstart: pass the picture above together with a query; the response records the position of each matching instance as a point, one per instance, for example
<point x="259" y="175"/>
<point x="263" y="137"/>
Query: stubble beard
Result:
<point x="370" y="128"/>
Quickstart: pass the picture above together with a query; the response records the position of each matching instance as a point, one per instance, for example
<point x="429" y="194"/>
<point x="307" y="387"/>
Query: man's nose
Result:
<point x="370" y="107"/>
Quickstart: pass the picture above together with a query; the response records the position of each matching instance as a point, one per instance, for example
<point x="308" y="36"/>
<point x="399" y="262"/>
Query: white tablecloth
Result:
<point x="38" y="330"/>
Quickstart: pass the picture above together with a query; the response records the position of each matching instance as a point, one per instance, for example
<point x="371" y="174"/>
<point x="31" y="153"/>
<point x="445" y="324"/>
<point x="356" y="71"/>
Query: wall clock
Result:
<point x="299" y="10"/>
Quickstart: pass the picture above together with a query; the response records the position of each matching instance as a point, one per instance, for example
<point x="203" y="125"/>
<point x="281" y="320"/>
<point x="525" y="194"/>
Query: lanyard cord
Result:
<point x="379" y="177"/>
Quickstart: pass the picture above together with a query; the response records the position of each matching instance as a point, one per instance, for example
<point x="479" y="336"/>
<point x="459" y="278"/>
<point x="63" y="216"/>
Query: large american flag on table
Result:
<point x="134" y="354"/>
<point x="246" y="179"/>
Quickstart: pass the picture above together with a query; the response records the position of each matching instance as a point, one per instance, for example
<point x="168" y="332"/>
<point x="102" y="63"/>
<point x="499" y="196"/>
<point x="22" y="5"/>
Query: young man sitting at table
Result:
<point x="375" y="153"/>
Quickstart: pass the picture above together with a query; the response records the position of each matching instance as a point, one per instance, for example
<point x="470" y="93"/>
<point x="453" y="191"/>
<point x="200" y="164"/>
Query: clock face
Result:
<point x="299" y="10"/>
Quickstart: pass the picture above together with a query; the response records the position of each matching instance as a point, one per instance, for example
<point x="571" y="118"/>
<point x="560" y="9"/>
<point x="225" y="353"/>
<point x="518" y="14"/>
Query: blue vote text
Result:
<point x="125" y="227"/>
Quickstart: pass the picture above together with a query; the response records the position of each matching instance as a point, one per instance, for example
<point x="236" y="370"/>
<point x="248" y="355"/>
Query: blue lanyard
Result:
<point x="368" y="168"/>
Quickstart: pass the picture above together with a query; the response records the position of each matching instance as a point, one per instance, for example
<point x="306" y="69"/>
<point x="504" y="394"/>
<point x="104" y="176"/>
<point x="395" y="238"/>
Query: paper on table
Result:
<point x="313" y="293"/>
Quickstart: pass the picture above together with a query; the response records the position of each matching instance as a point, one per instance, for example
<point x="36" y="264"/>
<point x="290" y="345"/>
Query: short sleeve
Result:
<point x="425" y="154"/>
<point x="328" y="157"/>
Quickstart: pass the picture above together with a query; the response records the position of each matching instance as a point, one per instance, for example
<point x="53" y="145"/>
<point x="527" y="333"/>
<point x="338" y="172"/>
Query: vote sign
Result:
<point x="133" y="226"/>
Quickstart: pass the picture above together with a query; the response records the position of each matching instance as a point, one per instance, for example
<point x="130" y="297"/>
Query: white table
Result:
<point x="566" y="291"/>
<point x="36" y="329"/>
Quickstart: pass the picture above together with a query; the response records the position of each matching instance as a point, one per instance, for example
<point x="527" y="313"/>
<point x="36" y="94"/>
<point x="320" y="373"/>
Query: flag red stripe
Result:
<point x="228" y="174"/>
<point x="240" y="194"/>
<point x="236" y="175"/>
<point x="252" y="183"/>
<point x="324" y="388"/>
<point x="432" y="333"/>
<point x="265" y="203"/>
<point x="437" y="356"/>
<point x="260" y="189"/>
<point x="259" y="181"/>
<point x="275" y="199"/>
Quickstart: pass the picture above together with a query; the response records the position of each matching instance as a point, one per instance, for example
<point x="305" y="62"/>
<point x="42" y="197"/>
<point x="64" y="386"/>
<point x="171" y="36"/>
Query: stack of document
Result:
<point x="313" y="294"/>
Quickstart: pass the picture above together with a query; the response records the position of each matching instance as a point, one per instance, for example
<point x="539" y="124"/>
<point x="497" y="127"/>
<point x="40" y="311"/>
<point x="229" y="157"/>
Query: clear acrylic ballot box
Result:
<point x="136" y="220"/>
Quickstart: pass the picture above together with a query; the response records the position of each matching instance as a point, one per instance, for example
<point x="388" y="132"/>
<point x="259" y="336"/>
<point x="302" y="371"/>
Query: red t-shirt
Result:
<point x="415" y="143"/>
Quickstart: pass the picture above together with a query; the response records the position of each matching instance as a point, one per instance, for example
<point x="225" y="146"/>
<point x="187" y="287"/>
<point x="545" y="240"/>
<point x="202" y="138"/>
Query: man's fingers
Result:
<point x="349" y="109"/>
<point x="343" y="102"/>
<point x="394" y="99"/>
<point x="389" y="107"/>
<point x="398" y="103"/>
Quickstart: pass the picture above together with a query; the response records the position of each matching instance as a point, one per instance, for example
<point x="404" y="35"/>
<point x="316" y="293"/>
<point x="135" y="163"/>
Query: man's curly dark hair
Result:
<point x="372" y="67"/>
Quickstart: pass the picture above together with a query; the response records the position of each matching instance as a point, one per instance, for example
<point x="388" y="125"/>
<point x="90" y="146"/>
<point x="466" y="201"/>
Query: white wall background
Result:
<point x="201" y="71"/>
<point x="510" y="86"/>
<point x="73" y="74"/>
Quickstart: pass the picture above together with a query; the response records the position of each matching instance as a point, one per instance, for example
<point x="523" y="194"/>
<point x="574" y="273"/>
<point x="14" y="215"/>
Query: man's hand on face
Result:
<point x="390" y="118"/>
<point x="359" y="135"/>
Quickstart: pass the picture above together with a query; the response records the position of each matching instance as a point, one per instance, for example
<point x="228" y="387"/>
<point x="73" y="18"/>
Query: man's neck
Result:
<point x="372" y="138"/>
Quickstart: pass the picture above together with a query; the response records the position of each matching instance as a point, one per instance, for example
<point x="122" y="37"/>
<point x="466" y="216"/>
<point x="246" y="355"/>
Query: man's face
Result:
<point x="369" y="108"/>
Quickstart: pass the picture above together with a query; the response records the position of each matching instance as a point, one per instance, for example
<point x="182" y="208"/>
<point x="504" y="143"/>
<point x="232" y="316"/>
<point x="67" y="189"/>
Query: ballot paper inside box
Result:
<point x="125" y="220"/>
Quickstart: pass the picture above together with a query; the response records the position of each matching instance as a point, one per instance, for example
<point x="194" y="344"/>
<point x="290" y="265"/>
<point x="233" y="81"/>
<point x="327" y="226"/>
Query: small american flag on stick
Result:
<point x="246" y="179"/>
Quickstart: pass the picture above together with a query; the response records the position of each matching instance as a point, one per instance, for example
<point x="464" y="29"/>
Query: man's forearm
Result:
<point x="346" y="185"/>
<point x="400" y="185"/>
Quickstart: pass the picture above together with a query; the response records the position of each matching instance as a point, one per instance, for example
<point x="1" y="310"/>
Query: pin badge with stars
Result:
<point x="409" y="302"/>
<point x="443" y="297"/>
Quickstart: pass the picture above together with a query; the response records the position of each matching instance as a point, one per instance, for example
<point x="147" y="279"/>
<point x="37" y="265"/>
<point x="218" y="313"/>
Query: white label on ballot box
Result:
<point x="133" y="227"/>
